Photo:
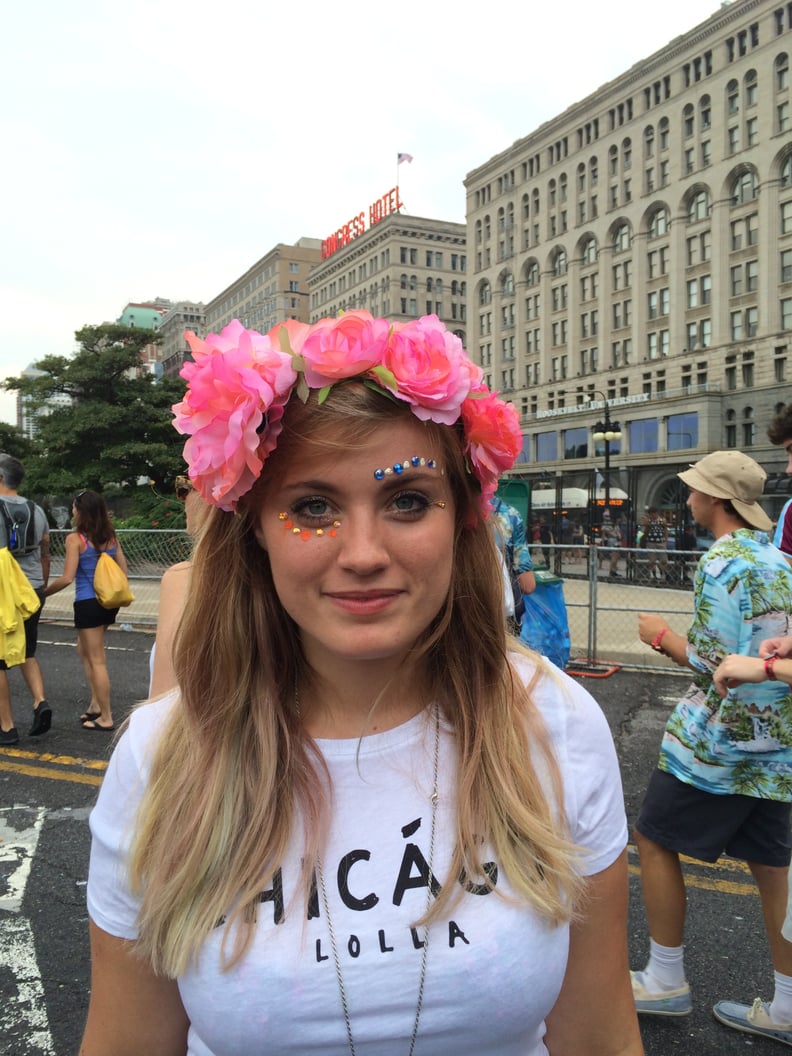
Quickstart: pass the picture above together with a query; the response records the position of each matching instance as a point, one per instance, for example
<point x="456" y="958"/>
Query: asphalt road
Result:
<point x="48" y="785"/>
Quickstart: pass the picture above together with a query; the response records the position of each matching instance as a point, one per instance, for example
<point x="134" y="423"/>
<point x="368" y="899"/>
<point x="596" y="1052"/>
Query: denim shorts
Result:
<point x="704" y="826"/>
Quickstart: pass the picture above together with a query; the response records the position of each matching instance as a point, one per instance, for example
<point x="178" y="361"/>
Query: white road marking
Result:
<point x="24" y="1015"/>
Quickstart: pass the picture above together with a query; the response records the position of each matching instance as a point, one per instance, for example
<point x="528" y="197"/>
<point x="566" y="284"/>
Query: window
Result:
<point x="622" y="238"/>
<point x="736" y="274"/>
<point x="546" y="447"/>
<point x="688" y="121"/>
<point x="698" y="207"/>
<point x="658" y="223"/>
<point x="733" y="139"/>
<point x="786" y="265"/>
<point x="682" y="431"/>
<point x="590" y="251"/>
<point x="663" y="133"/>
<point x="782" y="117"/>
<point x="736" y="326"/>
<point x="751" y="132"/>
<point x="782" y="73"/>
<point x="786" y="313"/>
<point x="749" y="427"/>
<point x="751" y="90"/>
<point x="732" y="97"/>
<point x="643" y="436"/>
<point x="692" y="293"/>
<point x="786" y="218"/>
<point x="745" y="188"/>
<point x="576" y="442"/>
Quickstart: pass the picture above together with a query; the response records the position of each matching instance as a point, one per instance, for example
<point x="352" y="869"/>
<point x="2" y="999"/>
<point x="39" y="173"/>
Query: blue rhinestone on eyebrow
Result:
<point x="399" y="467"/>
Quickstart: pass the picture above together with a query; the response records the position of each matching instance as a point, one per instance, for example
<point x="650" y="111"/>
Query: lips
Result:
<point x="363" y="602"/>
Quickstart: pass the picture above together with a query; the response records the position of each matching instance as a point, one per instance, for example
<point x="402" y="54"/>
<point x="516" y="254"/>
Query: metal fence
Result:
<point x="602" y="609"/>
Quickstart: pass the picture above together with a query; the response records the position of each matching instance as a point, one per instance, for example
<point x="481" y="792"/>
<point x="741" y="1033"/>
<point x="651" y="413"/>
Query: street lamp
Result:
<point x="608" y="432"/>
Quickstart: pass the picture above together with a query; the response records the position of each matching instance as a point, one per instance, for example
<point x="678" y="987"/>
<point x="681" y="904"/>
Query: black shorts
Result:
<point x="705" y="826"/>
<point x="31" y="630"/>
<point x="89" y="613"/>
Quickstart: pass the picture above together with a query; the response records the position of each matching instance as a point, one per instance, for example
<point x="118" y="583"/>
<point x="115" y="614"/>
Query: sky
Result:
<point x="159" y="148"/>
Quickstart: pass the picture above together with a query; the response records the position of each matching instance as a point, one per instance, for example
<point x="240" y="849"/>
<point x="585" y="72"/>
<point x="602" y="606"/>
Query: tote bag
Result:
<point x="110" y="584"/>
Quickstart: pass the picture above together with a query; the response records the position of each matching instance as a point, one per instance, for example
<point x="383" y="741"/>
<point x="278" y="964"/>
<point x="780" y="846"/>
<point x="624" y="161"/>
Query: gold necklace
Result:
<point x="326" y="906"/>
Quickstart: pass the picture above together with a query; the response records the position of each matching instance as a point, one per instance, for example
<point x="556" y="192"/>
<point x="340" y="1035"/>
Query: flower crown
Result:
<point x="240" y="381"/>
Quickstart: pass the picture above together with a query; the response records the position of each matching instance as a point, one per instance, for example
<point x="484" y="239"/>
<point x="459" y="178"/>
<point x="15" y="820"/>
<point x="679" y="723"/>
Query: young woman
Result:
<point x="366" y="822"/>
<point x="93" y="533"/>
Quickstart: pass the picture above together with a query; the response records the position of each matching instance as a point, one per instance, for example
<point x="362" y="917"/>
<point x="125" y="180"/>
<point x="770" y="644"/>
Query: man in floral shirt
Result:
<point x="724" y="779"/>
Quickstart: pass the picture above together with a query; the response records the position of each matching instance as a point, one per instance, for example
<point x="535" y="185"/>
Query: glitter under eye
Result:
<point x="306" y="533"/>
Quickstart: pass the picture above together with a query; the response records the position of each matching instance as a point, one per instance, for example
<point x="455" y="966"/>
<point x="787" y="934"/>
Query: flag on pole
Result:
<point x="404" y="157"/>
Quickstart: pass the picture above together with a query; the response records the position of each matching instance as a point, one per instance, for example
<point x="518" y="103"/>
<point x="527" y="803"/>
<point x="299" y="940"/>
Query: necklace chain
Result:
<point x="425" y="951"/>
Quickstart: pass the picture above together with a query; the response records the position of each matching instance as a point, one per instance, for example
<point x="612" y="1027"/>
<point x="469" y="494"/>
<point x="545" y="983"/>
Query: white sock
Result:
<point x="781" y="1006"/>
<point x="666" y="966"/>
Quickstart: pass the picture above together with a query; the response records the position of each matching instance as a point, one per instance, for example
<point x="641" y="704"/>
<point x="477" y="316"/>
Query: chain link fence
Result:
<point x="604" y="591"/>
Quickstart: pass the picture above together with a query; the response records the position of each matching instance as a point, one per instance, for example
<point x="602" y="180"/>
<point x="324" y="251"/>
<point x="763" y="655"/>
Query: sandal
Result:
<point x="95" y="725"/>
<point x="90" y="716"/>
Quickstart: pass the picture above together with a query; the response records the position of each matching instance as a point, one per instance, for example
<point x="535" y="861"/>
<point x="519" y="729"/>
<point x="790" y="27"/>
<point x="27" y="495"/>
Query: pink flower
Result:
<point x="346" y="347"/>
<point x="494" y="440"/>
<point x="295" y="332"/>
<point x="237" y="377"/>
<point x="430" y="369"/>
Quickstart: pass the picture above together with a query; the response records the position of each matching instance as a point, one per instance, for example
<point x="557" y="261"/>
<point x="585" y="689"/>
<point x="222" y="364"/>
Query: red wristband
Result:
<point x="769" y="664"/>
<point x="658" y="639"/>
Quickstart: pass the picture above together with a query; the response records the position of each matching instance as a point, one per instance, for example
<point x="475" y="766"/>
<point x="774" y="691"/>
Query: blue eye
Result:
<point x="313" y="510"/>
<point x="410" y="503"/>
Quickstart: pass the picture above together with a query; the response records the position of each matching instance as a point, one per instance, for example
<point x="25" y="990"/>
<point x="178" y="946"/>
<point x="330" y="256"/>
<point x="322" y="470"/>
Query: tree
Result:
<point x="13" y="442"/>
<point x="119" y="425"/>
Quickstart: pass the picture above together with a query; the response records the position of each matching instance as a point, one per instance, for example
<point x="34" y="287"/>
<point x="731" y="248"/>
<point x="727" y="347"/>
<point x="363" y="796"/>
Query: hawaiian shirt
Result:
<point x="741" y="744"/>
<point x="510" y="534"/>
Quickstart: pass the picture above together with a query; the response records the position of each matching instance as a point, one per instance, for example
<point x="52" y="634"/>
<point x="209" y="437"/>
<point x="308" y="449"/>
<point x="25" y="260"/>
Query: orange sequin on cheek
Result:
<point x="306" y="533"/>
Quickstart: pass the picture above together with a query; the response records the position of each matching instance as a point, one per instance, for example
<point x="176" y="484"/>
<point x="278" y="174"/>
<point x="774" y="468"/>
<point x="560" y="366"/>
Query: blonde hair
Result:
<point x="233" y="769"/>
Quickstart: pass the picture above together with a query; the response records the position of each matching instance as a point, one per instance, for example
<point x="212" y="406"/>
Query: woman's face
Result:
<point x="361" y="564"/>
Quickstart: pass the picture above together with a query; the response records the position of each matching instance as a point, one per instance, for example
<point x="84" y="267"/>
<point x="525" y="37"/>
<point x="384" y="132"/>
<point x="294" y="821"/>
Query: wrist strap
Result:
<point x="769" y="666"/>
<point x="658" y="639"/>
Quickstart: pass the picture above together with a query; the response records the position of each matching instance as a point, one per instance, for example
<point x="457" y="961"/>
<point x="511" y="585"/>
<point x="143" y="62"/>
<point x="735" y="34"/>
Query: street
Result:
<point x="47" y="787"/>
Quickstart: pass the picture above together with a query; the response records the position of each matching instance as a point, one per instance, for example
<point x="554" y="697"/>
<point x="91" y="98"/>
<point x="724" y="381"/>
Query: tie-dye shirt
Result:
<point x="741" y="744"/>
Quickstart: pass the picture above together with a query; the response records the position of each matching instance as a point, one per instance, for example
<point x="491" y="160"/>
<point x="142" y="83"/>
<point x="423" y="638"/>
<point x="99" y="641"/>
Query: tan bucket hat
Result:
<point x="734" y="476"/>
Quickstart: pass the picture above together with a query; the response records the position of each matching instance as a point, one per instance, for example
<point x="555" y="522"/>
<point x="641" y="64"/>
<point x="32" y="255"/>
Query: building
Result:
<point x="632" y="257"/>
<point x="173" y="350"/>
<point x="147" y="315"/>
<point x="29" y="416"/>
<point x="400" y="266"/>
<point x="274" y="289"/>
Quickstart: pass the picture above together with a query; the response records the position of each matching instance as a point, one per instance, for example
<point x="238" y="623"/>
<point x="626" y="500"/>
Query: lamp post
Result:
<point x="606" y="432"/>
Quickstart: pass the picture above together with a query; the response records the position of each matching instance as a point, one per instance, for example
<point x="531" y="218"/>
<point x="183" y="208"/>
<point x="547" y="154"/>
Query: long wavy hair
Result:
<point x="92" y="519"/>
<point x="233" y="770"/>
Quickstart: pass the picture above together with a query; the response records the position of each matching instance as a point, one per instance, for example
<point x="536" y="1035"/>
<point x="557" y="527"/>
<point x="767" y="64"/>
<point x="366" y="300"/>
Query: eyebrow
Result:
<point x="391" y="483"/>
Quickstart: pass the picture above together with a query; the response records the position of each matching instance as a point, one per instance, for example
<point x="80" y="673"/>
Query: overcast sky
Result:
<point x="158" y="148"/>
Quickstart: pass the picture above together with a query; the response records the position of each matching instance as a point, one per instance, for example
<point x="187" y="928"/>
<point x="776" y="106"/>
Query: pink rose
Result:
<point x="494" y="440"/>
<point x="346" y="347"/>
<point x="430" y="368"/>
<point x="237" y="377"/>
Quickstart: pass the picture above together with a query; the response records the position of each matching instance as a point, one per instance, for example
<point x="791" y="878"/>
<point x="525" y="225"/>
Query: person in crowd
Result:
<point x="35" y="563"/>
<point x="655" y="539"/>
<point x="173" y="591"/>
<point x="610" y="541"/>
<point x="365" y="820"/>
<point x="723" y="781"/>
<point x="93" y="533"/>
<point x="780" y="432"/>
<point x="518" y="570"/>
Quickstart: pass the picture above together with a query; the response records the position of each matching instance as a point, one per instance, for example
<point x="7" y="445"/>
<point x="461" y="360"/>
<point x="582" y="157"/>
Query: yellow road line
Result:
<point x="62" y="760"/>
<point x="52" y="775"/>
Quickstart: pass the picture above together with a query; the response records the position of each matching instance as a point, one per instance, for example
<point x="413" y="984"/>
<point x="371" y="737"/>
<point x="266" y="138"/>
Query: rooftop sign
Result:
<point x="389" y="203"/>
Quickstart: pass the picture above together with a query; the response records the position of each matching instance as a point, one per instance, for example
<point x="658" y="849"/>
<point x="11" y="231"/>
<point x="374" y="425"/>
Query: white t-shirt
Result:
<point x="494" y="969"/>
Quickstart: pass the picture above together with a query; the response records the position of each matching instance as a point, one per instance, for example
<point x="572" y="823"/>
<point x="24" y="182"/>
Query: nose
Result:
<point x="363" y="549"/>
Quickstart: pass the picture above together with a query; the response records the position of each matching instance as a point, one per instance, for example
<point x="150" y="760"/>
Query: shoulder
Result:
<point x="131" y="759"/>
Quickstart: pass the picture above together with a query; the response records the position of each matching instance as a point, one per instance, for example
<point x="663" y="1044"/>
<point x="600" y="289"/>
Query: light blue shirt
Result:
<point x="741" y="744"/>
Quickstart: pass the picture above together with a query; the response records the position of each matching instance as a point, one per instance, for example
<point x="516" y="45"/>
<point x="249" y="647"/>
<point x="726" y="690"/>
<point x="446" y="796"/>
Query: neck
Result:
<point x="338" y="704"/>
<point x="723" y="523"/>
<point x="7" y="491"/>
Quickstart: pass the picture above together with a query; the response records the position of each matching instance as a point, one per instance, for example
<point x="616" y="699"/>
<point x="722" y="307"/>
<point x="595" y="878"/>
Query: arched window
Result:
<point x="782" y="72"/>
<point x="562" y="188"/>
<point x="501" y="216"/>
<point x="507" y="284"/>
<point x="699" y="207"/>
<point x="663" y="133"/>
<point x="532" y="274"/>
<point x="535" y="200"/>
<point x="485" y="293"/>
<point x="622" y="237"/>
<point x="560" y="262"/>
<point x="649" y="141"/>
<point x="581" y="178"/>
<point x="413" y="282"/>
<point x="403" y="282"/>
<point x="613" y="161"/>
<point x="745" y="188"/>
<point x="429" y="285"/>
<point x="786" y="172"/>
<point x="751" y="88"/>
<point x="526" y="207"/>
<point x="688" y="121"/>
<point x="732" y="97"/>
<point x="593" y="172"/>
<point x="478" y="230"/>
<point x="627" y="154"/>
<point x="551" y="194"/>
<point x="439" y="287"/>
<point x="658" y="223"/>
<point x="705" y="113"/>
<point x="487" y="228"/>
<point x="589" y="250"/>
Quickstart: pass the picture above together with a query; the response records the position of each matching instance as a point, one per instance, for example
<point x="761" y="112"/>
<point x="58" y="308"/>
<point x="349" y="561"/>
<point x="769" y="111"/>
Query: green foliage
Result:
<point x="150" y="509"/>
<point x="13" y="442"/>
<point x="118" y="428"/>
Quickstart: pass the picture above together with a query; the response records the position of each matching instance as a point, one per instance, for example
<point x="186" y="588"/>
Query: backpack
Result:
<point x="20" y="524"/>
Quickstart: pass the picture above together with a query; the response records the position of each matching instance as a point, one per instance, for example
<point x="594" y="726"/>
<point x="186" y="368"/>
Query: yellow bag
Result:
<point x="110" y="584"/>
